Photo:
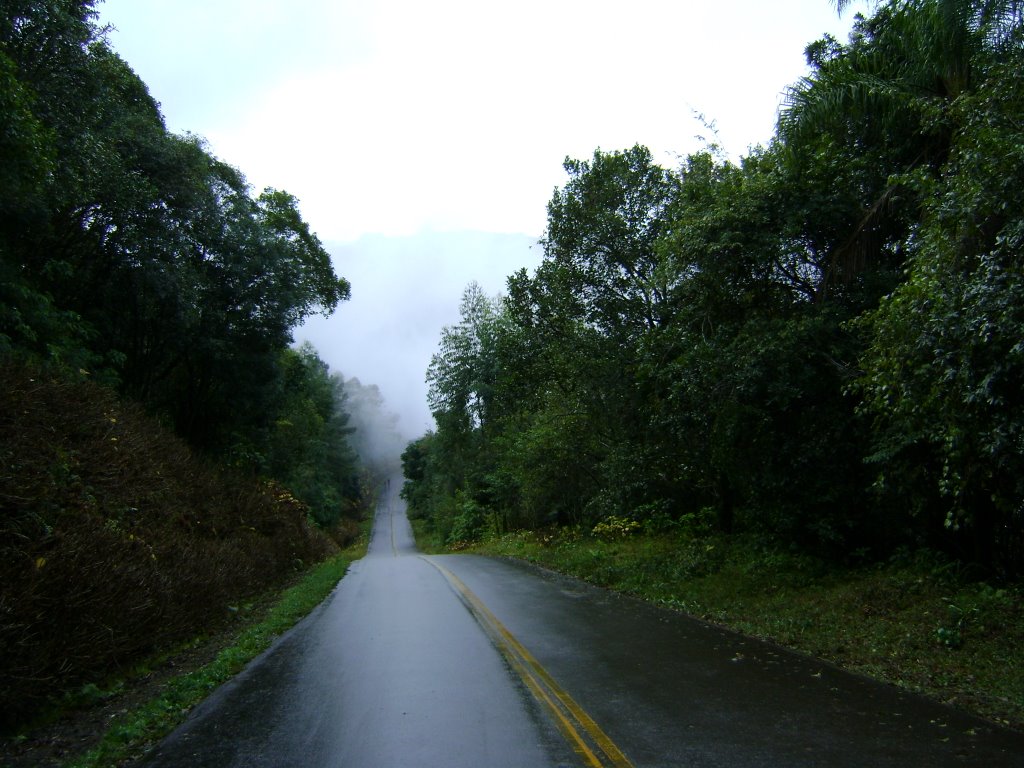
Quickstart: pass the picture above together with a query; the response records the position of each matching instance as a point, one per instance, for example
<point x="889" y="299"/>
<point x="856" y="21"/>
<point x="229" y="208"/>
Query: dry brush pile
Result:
<point x="115" y="540"/>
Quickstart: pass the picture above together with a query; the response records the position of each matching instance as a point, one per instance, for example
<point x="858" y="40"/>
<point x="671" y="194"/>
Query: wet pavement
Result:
<point x="673" y="691"/>
<point x="408" y="663"/>
<point x="391" y="670"/>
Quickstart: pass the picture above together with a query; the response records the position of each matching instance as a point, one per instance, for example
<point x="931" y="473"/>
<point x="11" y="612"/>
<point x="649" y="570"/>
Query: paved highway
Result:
<point x="449" y="661"/>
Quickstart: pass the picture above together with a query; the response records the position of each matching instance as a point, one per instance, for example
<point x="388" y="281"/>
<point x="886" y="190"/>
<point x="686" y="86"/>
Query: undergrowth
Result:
<point x="116" y="540"/>
<point x="137" y="730"/>
<point x="915" y="621"/>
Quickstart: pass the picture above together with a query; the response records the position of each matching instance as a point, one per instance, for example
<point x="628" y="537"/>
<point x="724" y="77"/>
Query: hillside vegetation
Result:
<point x="819" y="344"/>
<point x="117" y="541"/>
<point x="165" y="451"/>
<point x="817" y="348"/>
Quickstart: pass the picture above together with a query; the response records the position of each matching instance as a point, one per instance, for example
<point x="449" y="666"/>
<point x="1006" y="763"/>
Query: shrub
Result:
<point x="614" y="528"/>
<point x="116" y="540"/>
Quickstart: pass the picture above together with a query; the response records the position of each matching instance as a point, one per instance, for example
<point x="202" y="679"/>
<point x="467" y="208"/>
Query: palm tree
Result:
<point x="896" y="83"/>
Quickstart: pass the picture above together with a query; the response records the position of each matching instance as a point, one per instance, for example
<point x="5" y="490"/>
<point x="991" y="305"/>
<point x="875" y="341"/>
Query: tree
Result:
<point x="943" y="372"/>
<point x="903" y="69"/>
<point x="40" y="45"/>
<point x="602" y="230"/>
<point x="821" y="342"/>
<point x="745" y="386"/>
<point x="132" y="255"/>
<point x="575" y="331"/>
<point x="891" y="91"/>
<point x="461" y="374"/>
<point x="308" y="447"/>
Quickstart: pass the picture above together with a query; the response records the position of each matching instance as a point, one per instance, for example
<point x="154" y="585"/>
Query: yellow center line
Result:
<point x="391" y="517"/>
<point x="579" y="729"/>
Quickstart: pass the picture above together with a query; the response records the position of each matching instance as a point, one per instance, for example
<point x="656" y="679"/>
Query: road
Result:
<point x="458" y="660"/>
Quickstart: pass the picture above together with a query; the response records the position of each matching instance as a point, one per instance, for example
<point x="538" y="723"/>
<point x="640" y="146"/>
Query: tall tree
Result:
<point x="944" y="369"/>
<point x="132" y="254"/>
<point x="891" y="91"/>
<point x="461" y="374"/>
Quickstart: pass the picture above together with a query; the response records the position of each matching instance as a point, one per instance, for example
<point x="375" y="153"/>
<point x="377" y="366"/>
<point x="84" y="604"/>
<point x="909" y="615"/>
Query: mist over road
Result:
<point x="469" y="661"/>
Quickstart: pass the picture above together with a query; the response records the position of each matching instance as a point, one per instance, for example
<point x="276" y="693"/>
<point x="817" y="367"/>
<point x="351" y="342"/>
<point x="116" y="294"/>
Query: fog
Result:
<point x="394" y="116"/>
<point x="405" y="118"/>
<point x="375" y="435"/>
<point x="404" y="291"/>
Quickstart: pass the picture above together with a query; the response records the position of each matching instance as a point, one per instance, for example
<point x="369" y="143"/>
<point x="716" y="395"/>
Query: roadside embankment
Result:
<point x="118" y="542"/>
<point x="122" y="721"/>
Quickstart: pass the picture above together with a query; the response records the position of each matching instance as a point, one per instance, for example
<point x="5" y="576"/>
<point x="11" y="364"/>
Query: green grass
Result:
<point x="915" y="621"/>
<point x="428" y="540"/>
<point x="134" y="732"/>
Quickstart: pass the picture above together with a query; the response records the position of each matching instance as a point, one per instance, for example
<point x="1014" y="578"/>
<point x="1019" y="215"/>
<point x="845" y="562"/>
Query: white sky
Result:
<point x="407" y="119"/>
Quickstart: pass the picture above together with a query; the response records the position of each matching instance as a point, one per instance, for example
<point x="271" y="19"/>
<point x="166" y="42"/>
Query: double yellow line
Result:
<point x="585" y="736"/>
<point x="391" y="518"/>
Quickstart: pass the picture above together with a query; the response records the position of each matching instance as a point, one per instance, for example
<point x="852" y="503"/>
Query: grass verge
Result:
<point x="917" y="621"/>
<point x="428" y="540"/>
<point x="131" y="734"/>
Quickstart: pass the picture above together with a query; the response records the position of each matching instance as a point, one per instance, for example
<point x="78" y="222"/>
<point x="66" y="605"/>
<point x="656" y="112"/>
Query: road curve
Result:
<point x="458" y="660"/>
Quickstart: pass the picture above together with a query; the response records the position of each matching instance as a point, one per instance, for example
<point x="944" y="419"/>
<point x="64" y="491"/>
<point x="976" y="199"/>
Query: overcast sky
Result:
<point x="400" y="122"/>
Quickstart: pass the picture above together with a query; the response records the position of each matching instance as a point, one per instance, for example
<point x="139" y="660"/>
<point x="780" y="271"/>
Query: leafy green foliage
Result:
<point x="130" y="252"/>
<point x="459" y="376"/>
<point x="944" y="369"/>
<point x="308" y="448"/>
<point x="132" y="258"/>
<point x="819" y="344"/>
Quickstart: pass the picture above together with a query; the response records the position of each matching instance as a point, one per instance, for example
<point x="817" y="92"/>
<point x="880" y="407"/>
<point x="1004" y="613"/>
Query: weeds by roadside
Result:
<point x="428" y="540"/>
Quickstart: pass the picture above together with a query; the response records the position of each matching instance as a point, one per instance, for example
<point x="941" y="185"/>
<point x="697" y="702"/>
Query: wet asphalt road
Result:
<point x="396" y="669"/>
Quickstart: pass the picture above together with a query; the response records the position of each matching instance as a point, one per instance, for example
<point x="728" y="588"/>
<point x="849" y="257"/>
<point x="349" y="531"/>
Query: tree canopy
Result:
<point x="819" y="343"/>
<point x="132" y="256"/>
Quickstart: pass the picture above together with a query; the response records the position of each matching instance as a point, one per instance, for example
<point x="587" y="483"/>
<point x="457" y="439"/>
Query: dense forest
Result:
<point x="820" y="343"/>
<point x="165" y="449"/>
<point x="133" y="256"/>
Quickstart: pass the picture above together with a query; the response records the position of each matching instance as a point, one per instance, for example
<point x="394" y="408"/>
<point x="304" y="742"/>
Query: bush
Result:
<point x="614" y="528"/>
<point x="116" y="540"/>
<point x="469" y="521"/>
